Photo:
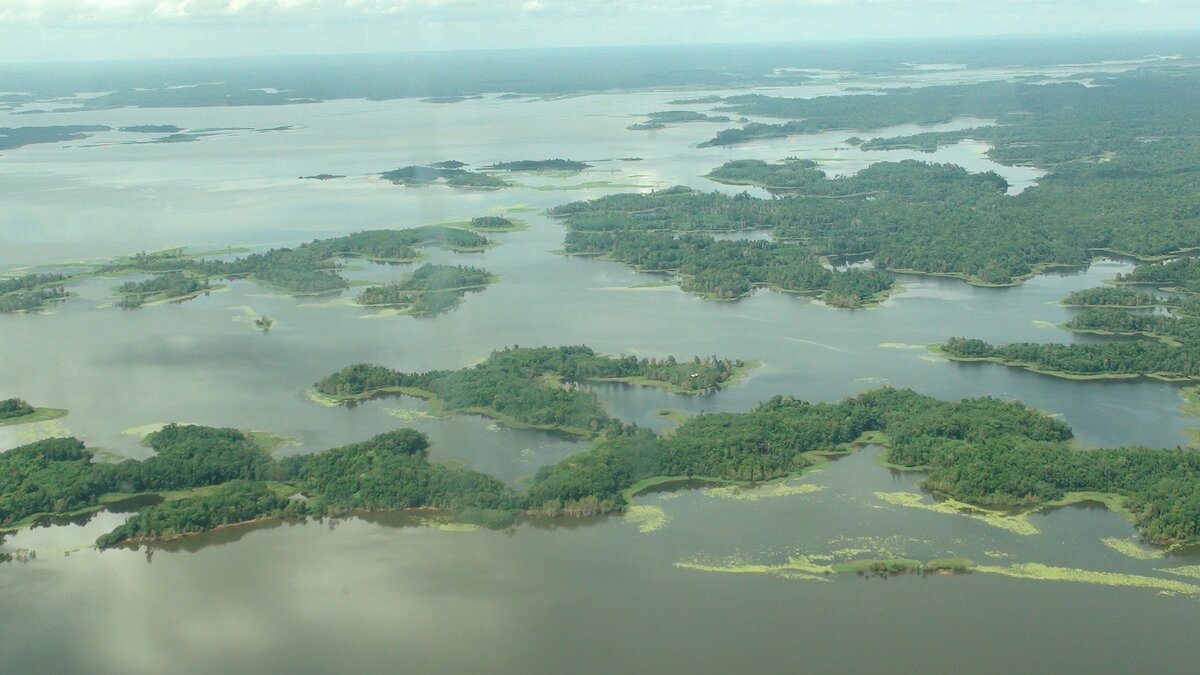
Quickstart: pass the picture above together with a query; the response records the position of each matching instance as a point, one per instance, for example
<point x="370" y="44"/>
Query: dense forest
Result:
<point x="1122" y="156"/>
<point x="1120" y="359"/>
<point x="307" y="269"/>
<point x="1109" y="296"/>
<point x="492" y="224"/>
<point x="733" y="269"/>
<point x="984" y="451"/>
<point x="429" y="290"/>
<point x="533" y="386"/>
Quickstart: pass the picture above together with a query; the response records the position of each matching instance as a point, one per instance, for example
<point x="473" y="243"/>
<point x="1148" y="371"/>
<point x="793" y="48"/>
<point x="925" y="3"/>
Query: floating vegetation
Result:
<point x="407" y="415"/>
<point x="1042" y="572"/>
<point x="1038" y="323"/>
<point x="900" y="345"/>
<point x="1132" y="549"/>
<point x="753" y="493"/>
<point x="1192" y="571"/>
<point x="648" y="518"/>
<point x="798" y="567"/>
<point x="449" y="525"/>
<point x="1015" y="524"/>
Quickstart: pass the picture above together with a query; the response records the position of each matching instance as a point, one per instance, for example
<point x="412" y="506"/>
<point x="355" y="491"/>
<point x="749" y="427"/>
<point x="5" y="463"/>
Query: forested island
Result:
<point x="541" y="165"/>
<point x="659" y="120"/>
<point x="168" y="287"/>
<point x="15" y="411"/>
<point x="733" y="269"/>
<point x="429" y="290"/>
<point x="493" y="224"/>
<point x="31" y="292"/>
<point x="441" y="172"/>
<point x="982" y="451"/>
<point x="533" y="387"/>
<point x="310" y="268"/>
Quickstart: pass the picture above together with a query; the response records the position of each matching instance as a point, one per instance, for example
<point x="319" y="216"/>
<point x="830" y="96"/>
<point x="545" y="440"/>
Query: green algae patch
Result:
<point x="38" y="415"/>
<point x="1132" y="549"/>
<point x="753" y="493"/>
<point x="799" y="567"/>
<point x="1016" y="524"/>
<point x="647" y="518"/>
<point x="1040" y="572"/>
<point x="407" y="415"/>
<point x="1191" y="571"/>
<point x="1111" y="501"/>
<point x="444" y="525"/>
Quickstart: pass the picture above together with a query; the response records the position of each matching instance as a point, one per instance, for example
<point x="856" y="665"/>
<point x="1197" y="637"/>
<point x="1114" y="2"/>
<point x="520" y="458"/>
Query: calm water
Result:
<point x="373" y="594"/>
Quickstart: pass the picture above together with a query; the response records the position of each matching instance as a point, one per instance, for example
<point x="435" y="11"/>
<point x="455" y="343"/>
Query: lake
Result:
<point x="702" y="589"/>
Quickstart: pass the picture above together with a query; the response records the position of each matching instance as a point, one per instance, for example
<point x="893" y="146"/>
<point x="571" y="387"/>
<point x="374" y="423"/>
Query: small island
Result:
<point x="564" y="165"/>
<point x="526" y="387"/>
<point x="169" y="287"/>
<point x="323" y="176"/>
<point x="151" y="129"/>
<point x="431" y="174"/>
<point x="32" y="292"/>
<point x="16" y="411"/>
<point x="429" y="290"/>
<point x="659" y="120"/>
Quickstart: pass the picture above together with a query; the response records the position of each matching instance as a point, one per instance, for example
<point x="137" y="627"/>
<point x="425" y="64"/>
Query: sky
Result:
<point x="70" y="30"/>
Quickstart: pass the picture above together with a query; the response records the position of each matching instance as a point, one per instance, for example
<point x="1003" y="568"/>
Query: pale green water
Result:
<point x="386" y="596"/>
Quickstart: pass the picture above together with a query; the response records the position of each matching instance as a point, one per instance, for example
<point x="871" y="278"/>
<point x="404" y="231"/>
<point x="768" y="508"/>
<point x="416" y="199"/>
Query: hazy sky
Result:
<point x="44" y="30"/>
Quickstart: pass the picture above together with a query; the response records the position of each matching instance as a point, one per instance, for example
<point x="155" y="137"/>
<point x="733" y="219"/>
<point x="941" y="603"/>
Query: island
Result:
<point x="32" y="292"/>
<point x="308" y="269"/>
<point x="167" y="287"/>
<point x="659" y="120"/>
<point x="323" y="176"/>
<point x="151" y="129"/>
<point x="564" y="165"/>
<point x="17" y="137"/>
<point x="15" y="411"/>
<point x="430" y="174"/>
<point x="984" y="452"/>
<point x="532" y="387"/>
<point x="429" y="290"/>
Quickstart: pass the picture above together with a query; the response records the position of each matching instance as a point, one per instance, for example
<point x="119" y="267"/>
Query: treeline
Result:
<point x="430" y="289"/>
<point x="1110" y="296"/>
<point x="14" y="407"/>
<point x="31" y="292"/>
<point x="1091" y="359"/>
<point x="1179" y="330"/>
<point x="307" y="269"/>
<point x="492" y="224"/>
<point x="1181" y="274"/>
<point x="732" y="269"/>
<point x="170" y="285"/>
<point x="513" y="383"/>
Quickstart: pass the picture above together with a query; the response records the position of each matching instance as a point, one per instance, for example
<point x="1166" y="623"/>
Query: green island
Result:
<point x="733" y="269"/>
<point x="429" y="290"/>
<point x="17" y="411"/>
<point x="307" y="269"/>
<point x="565" y="165"/>
<point x="16" y="137"/>
<point x="151" y="129"/>
<point x="984" y="452"/>
<point x="31" y="292"/>
<point x="168" y="287"/>
<point x="1113" y="187"/>
<point x="659" y="120"/>
<point x="323" y="176"/>
<point x="532" y="387"/>
<point x="494" y="224"/>
<point x="441" y="173"/>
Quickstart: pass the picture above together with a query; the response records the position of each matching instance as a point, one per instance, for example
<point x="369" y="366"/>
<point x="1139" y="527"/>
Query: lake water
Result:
<point x="389" y="593"/>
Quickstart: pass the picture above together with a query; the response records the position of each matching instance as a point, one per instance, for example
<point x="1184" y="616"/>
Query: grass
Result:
<point x="1040" y="572"/>
<point x="1017" y="524"/>
<point x="1132" y="549"/>
<point x="753" y="493"/>
<point x="38" y="415"/>
<point x="674" y="415"/>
